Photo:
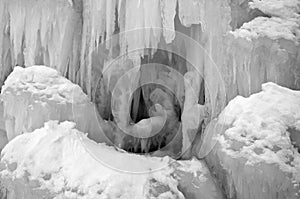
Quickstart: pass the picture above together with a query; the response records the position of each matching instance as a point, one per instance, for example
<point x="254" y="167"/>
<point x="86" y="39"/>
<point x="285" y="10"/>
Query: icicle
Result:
<point x="134" y="29"/>
<point x="152" y="24"/>
<point x="168" y="12"/>
<point x="43" y="32"/>
<point x="94" y="25"/>
<point x="110" y="21"/>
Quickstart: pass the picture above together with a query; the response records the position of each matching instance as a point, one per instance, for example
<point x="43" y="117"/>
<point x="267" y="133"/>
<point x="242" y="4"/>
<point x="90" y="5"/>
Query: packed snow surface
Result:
<point x="258" y="149"/>
<point x="66" y="164"/>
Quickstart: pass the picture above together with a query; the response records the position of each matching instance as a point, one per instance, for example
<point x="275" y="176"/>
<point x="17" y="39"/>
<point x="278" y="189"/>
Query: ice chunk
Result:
<point x="254" y="156"/>
<point x="59" y="161"/>
<point x="36" y="94"/>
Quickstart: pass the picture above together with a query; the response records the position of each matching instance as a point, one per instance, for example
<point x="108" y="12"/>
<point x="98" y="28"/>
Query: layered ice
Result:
<point x="34" y="95"/>
<point x="257" y="145"/>
<point x="59" y="161"/>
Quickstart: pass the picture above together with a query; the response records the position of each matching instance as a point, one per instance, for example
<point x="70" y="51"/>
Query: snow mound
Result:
<point x="58" y="161"/>
<point x="34" y="95"/>
<point x="280" y="8"/>
<point x="273" y="28"/>
<point x="257" y="153"/>
<point x="282" y="21"/>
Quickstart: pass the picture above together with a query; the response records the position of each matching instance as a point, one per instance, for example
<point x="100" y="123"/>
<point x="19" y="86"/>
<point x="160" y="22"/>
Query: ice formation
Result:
<point x="257" y="150"/>
<point x="265" y="48"/>
<point x="148" y="65"/>
<point x="59" y="161"/>
<point x="34" y="95"/>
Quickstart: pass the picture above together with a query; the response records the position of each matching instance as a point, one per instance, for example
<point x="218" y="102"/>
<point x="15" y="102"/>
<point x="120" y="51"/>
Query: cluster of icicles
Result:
<point x="66" y="34"/>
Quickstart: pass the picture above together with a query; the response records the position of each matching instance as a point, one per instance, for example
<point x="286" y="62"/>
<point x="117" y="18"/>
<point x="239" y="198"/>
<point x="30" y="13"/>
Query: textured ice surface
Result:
<point x="61" y="162"/>
<point x="34" y="95"/>
<point x="257" y="145"/>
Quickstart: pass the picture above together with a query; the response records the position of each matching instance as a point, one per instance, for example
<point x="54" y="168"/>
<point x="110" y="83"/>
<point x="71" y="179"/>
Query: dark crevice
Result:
<point x="295" y="137"/>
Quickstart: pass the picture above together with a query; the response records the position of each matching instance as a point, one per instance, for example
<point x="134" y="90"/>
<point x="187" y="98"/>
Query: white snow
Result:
<point x="273" y="28"/>
<point x="34" y="95"/>
<point x="279" y="8"/>
<point x="283" y="21"/>
<point x="60" y="159"/>
<point x="255" y="150"/>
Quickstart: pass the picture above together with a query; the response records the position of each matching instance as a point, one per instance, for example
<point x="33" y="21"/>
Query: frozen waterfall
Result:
<point x="150" y="99"/>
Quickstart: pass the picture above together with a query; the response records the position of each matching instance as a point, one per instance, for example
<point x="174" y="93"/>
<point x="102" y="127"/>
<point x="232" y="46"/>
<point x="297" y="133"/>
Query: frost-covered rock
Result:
<point x="58" y="161"/>
<point x="256" y="143"/>
<point x="34" y="95"/>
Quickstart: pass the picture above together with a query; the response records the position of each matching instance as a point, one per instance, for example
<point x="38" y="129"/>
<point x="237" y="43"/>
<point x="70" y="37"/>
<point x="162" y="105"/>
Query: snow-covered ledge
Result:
<point x="61" y="162"/>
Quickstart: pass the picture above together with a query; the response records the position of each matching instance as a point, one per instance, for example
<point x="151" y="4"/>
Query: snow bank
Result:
<point x="34" y="95"/>
<point x="59" y="161"/>
<point x="257" y="153"/>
